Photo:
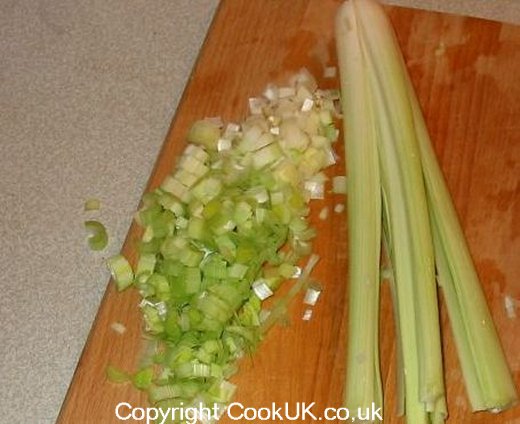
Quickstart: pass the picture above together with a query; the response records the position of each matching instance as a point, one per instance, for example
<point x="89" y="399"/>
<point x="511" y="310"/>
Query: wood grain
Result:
<point x="465" y="71"/>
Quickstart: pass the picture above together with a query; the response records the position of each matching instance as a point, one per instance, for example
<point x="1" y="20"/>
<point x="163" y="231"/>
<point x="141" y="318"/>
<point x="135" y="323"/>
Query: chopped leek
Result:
<point x="262" y="289"/>
<point x="115" y="375"/>
<point x="121" y="271"/>
<point x="98" y="237"/>
<point x="211" y="250"/>
<point x="339" y="184"/>
<point x="118" y="327"/>
<point x="307" y="314"/>
<point x="280" y="307"/>
<point x="312" y="295"/>
<point x="206" y="133"/>
<point x="324" y="213"/>
<point x="92" y="205"/>
<point x="339" y="207"/>
<point x="329" y="72"/>
<point x="509" y="306"/>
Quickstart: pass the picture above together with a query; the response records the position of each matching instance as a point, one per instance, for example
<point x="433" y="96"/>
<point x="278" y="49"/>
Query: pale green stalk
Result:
<point x="409" y="227"/>
<point x="363" y="379"/>
<point x="488" y="380"/>
<point x="416" y="203"/>
<point x="404" y="187"/>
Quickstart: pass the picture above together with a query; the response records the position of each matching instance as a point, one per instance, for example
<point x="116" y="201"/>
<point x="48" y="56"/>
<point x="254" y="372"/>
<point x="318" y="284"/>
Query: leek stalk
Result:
<point x="412" y="253"/>
<point x="488" y="380"/>
<point x="405" y="203"/>
<point x="363" y="379"/>
<point x="421" y="228"/>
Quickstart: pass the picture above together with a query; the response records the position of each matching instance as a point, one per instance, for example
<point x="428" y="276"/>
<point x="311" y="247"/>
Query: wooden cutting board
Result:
<point x="466" y="74"/>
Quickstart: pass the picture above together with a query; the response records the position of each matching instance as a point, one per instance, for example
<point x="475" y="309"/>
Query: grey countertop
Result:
<point x="87" y="92"/>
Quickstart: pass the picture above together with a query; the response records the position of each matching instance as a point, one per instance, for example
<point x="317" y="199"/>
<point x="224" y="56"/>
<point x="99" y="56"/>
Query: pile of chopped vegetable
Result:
<point x="222" y="232"/>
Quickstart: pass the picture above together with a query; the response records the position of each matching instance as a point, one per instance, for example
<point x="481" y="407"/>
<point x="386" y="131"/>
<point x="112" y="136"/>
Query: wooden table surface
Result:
<point x="466" y="75"/>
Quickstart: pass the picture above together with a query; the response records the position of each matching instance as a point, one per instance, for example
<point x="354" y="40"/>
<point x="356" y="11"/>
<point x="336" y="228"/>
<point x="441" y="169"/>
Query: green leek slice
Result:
<point x="121" y="271"/>
<point x="98" y="237"/>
